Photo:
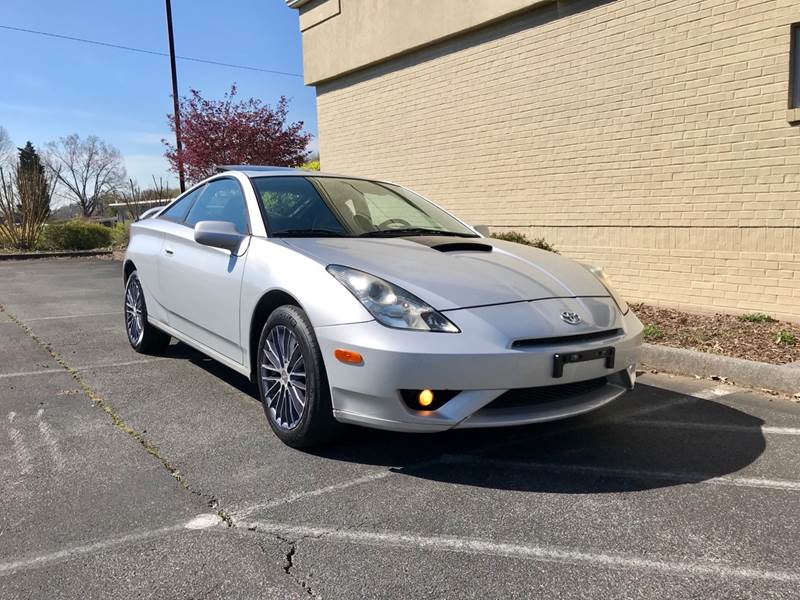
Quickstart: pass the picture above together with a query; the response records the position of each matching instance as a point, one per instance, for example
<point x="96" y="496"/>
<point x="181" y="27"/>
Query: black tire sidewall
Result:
<point x="317" y="420"/>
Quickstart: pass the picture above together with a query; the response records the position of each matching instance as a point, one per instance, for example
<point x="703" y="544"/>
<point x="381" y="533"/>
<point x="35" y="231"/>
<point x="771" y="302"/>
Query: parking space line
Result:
<point x="374" y="476"/>
<point x="624" y="472"/>
<point x="31" y="373"/>
<point x="716" y="392"/>
<point x="524" y="551"/>
<point x="762" y="429"/>
<point x="33" y="562"/>
<point x="85" y="316"/>
<point x="128" y="363"/>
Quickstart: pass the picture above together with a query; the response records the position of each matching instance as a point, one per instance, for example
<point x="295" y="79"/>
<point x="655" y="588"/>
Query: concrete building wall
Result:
<point x="651" y="137"/>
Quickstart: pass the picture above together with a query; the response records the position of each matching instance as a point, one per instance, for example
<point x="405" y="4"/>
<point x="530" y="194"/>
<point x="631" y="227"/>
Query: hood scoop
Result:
<point x="449" y="244"/>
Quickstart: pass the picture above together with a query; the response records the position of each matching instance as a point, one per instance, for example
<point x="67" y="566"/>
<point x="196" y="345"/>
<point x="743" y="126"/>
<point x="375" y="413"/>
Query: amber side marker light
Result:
<point x="348" y="356"/>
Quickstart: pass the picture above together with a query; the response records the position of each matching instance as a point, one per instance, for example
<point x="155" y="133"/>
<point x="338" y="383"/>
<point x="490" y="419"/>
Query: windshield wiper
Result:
<point x="309" y="233"/>
<point x="413" y="231"/>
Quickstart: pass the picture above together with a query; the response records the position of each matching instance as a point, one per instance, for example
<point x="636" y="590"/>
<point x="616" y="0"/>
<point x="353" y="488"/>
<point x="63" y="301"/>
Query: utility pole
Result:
<point x="175" y="100"/>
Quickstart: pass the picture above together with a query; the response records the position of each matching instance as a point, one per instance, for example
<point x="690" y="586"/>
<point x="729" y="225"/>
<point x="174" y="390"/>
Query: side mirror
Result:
<point x="218" y="234"/>
<point x="482" y="229"/>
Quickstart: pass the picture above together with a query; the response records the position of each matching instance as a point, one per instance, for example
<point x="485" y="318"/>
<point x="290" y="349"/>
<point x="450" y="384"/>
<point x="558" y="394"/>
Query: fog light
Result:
<point x="425" y="398"/>
<point x="348" y="356"/>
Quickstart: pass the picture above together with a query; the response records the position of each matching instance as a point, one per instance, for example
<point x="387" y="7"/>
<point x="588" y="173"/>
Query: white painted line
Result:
<point x="127" y="363"/>
<point x="624" y="472"/>
<point x="51" y="441"/>
<point x="527" y="552"/>
<point x="20" y="449"/>
<point x="56" y="369"/>
<point x="86" y="316"/>
<point x="715" y="392"/>
<point x="762" y="429"/>
<point x="245" y="512"/>
<point x="204" y="521"/>
<point x="33" y="562"/>
<point x="59" y="369"/>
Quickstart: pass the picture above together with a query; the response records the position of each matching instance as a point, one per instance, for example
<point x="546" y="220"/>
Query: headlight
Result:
<point x="389" y="304"/>
<point x="600" y="274"/>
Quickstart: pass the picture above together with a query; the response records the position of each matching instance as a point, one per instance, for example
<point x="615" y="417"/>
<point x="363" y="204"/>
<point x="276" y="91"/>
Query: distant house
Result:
<point x="653" y="138"/>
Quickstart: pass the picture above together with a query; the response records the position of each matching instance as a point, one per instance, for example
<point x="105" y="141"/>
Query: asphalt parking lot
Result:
<point x="132" y="476"/>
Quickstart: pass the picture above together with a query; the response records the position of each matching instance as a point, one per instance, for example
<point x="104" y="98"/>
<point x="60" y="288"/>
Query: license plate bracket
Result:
<point x="559" y="360"/>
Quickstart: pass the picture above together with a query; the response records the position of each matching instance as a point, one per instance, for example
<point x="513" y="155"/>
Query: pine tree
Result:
<point x="30" y="167"/>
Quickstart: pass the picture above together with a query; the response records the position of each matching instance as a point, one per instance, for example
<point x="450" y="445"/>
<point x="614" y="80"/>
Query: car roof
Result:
<point x="270" y="171"/>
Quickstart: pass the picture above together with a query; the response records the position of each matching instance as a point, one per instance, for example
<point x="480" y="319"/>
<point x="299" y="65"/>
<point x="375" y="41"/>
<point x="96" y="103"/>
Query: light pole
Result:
<point x="175" y="101"/>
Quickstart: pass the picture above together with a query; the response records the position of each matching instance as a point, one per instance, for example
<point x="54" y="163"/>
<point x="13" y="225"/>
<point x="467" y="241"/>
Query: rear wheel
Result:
<point x="142" y="336"/>
<point x="292" y="381"/>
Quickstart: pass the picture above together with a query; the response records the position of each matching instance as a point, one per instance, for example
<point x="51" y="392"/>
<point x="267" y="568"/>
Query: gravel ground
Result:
<point x="720" y="334"/>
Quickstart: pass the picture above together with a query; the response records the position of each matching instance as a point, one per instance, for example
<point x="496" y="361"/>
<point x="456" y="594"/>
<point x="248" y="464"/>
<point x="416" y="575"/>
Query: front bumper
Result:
<point x="481" y="363"/>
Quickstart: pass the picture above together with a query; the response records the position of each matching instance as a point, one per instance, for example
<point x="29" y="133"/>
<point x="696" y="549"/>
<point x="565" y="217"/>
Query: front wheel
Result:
<point x="292" y="381"/>
<point x="142" y="336"/>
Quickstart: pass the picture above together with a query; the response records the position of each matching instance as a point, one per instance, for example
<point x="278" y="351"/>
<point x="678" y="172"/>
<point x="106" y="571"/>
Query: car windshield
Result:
<point x="343" y="207"/>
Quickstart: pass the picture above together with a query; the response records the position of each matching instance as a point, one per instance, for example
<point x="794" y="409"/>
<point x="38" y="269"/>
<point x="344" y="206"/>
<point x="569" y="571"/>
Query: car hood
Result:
<point x="451" y="272"/>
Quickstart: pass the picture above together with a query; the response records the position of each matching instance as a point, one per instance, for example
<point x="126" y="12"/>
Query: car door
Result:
<point x="200" y="285"/>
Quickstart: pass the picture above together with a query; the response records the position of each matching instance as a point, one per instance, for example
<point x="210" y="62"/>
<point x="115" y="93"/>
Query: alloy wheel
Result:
<point x="283" y="377"/>
<point x="134" y="312"/>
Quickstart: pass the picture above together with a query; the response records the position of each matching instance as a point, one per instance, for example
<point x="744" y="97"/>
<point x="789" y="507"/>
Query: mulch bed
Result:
<point x="719" y="334"/>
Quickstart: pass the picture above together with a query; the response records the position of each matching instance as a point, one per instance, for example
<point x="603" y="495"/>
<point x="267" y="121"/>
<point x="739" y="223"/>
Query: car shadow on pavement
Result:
<point x="603" y="452"/>
<point x="650" y="438"/>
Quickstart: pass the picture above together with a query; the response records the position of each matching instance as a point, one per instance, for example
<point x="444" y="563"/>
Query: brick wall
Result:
<point x="650" y="137"/>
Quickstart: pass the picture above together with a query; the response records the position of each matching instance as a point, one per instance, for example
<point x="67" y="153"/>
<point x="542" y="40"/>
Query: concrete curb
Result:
<point x="63" y="254"/>
<point x="780" y="378"/>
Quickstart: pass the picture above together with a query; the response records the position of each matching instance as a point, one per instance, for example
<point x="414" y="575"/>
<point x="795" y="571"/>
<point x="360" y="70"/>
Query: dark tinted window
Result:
<point x="177" y="212"/>
<point x="221" y="200"/>
<point x="294" y="207"/>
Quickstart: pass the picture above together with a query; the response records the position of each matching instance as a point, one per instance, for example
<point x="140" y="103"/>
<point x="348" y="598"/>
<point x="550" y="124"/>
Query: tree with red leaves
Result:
<point x="229" y="132"/>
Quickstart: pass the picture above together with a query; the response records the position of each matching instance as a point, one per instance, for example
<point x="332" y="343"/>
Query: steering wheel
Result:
<point x="402" y="222"/>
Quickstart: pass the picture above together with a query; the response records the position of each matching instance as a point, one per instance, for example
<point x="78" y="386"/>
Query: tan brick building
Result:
<point x="652" y="137"/>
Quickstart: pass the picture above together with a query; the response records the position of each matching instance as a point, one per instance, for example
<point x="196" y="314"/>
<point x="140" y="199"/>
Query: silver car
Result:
<point x="348" y="300"/>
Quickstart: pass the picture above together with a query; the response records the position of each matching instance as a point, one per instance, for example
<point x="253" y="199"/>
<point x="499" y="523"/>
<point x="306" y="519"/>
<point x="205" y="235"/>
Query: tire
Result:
<point x="286" y="341"/>
<point x="143" y="337"/>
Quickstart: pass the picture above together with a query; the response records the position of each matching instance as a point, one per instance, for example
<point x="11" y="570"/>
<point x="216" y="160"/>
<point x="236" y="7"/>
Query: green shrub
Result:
<point x="75" y="235"/>
<point x="521" y="238"/>
<point x="786" y="338"/>
<point x="652" y="332"/>
<point x="312" y="165"/>
<point x="120" y="234"/>
<point x="756" y="318"/>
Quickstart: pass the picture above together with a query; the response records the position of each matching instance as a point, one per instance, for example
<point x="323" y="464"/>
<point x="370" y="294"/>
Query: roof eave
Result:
<point x="296" y="3"/>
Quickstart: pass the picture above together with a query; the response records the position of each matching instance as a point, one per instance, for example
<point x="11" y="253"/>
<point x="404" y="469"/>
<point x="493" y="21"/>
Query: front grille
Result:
<point x="568" y="339"/>
<point x="523" y="397"/>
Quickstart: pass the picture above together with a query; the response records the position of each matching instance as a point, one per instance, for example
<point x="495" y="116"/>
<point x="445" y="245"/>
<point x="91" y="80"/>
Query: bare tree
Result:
<point x="135" y="198"/>
<point x="25" y="196"/>
<point x="86" y="169"/>
<point x="6" y="148"/>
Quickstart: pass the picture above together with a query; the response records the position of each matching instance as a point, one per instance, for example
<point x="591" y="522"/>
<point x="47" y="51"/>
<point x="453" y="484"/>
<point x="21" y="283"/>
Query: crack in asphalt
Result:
<point x="117" y="420"/>
<point x="288" y="564"/>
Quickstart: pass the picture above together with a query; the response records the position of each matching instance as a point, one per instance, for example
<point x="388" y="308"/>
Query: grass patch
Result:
<point x="653" y="332"/>
<point x="785" y="338"/>
<point x="756" y="318"/>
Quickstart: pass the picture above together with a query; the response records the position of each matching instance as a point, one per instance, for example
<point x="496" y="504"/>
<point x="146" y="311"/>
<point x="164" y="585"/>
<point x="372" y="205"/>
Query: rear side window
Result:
<point x="178" y="211"/>
<point x="221" y="200"/>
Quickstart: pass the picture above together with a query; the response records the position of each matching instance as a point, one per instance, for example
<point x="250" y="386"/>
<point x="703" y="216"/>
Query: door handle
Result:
<point x="168" y="251"/>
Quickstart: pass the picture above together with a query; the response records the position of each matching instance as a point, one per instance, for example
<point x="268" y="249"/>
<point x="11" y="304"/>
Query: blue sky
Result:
<point x="52" y="87"/>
